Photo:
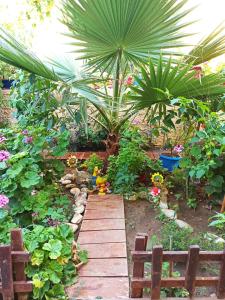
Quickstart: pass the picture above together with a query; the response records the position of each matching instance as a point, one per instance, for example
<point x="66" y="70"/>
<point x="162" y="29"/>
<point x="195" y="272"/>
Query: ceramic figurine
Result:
<point x="94" y="176"/>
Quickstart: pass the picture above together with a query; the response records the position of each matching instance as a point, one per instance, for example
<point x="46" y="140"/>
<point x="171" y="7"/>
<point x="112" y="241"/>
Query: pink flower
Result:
<point x="3" y="201"/>
<point x="25" y="132"/>
<point x="129" y="80"/>
<point x="2" y="139"/>
<point x="155" y="191"/>
<point x="178" y="148"/>
<point x="28" y="140"/>
<point x="4" y="155"/>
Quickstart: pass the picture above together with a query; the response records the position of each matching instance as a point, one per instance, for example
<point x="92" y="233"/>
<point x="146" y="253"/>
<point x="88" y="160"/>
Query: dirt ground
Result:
<point x="141" y="218"/>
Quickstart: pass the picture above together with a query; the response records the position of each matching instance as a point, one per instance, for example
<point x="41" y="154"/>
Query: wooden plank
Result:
<point x="18" y="267"/>
<point x="177" y="256"/>
<point x="102" y="205"/>
<point x="103" y="214"/>
<point x="106" y="267"/>
<point x="110" y="197"/>
<point x="220" y="291"/>
<point x="156" y="271"/>
<point x="102" y="224"/>
<point x="20" y="256"/>
<point x="6" y="273"/>
<point x="191" y="269"/>
<point x="108" y="250"/>
<point x="138" y="268"/>
<point x="21" y="286"/>
<point x="105" y="287"/>
<point x="174" y="282"/>
<point x="101" y="237"/>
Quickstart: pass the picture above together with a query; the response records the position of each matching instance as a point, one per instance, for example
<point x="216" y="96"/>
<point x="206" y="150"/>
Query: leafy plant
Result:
<point x="218" y="221"/>
<point x="192" y="203"/>
<point x="51" y="267"/>
<point x="6" y="224"/>
<point x="93" y="161"/>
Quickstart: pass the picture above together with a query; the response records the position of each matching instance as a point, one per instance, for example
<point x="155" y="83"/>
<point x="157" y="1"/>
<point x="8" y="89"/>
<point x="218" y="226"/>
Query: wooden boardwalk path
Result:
<point x="103" y="235"/>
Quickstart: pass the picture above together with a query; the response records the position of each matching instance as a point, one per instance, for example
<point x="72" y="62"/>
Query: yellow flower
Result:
<point x="72" y="161"/>
<point x="157" y="178"/>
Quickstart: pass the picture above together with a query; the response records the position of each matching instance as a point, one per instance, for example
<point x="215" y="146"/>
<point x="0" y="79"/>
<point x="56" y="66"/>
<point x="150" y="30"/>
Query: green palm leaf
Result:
<point x="15" y="54"/>
<point x="131" y="29"/>
<point x="210" y="47"/>
<point x="160" y="82"/>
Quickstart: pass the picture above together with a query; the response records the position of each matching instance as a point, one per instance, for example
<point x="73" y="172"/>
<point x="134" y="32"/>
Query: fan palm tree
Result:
<point x="114" y="37"/>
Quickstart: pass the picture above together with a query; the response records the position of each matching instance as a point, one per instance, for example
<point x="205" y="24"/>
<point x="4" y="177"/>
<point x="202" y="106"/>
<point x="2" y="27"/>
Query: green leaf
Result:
<point x="54" y="247"/>
<point x="29" y="179"/>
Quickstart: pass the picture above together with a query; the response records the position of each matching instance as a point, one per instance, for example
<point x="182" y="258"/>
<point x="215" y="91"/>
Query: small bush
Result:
<point x="94" y="161"/>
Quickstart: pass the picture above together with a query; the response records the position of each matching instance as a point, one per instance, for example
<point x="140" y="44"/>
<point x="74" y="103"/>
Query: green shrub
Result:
<point x="6" y="224"/>
<point x="94" y="161"/>
<point x="51" y="267"/>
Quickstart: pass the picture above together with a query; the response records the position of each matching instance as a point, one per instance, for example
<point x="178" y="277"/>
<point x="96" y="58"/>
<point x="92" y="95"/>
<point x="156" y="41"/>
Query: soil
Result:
<point x="141" y="218"/>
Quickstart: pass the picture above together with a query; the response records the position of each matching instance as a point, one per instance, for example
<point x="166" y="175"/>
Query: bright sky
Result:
<point x="48" y="39"/>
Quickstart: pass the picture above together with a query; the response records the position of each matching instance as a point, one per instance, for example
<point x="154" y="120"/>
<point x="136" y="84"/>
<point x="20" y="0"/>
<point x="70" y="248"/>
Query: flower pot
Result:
<point x="7" y="84"/>
<point x="169" y="162"/>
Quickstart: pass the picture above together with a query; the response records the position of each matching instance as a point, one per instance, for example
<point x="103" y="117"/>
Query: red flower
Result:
<point x="155" y="191"/>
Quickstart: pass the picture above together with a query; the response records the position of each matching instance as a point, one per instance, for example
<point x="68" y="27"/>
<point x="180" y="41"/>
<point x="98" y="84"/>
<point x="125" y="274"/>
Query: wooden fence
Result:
<point x="12" y="269"/>
<point x="191" y="258"/>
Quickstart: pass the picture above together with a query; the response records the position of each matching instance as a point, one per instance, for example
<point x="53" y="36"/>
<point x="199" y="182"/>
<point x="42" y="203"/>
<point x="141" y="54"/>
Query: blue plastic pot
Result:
<point x="169" y="162"/>
<point x="7" y="84"/>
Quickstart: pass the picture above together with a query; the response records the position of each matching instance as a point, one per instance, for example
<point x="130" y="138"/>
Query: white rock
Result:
<point x="82" y="197"/>
<point x="169" y="213"/>
<point x="81" y="202"/>
<point x="163" y="205"/>
<point x="84" y="189"/>
<point x="69" y="177"/>
<point x="219" y="240"/>
<point x="75" y="191"/>
<point x="182" y="224"/>
<point x="77" y="218"/>
<point x="74" y="227"/>
<point x="70" y="186"/>
<point x="79" y="209"/>
<point x="65" y="182"/>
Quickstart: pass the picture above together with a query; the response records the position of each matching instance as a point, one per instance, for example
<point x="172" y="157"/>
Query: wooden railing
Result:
<point x="191" y="258"/>
<point x="12" y="269"/>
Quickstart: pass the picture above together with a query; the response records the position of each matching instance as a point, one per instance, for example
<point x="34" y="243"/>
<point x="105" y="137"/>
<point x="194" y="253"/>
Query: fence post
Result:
<point x="191" y="269"/>
<point x="6" y="272"/>
<point x="220" y="291"/>
<point x="138" y="267"/>
<point x="19" y="267"/>
<point x="157" y="259"/>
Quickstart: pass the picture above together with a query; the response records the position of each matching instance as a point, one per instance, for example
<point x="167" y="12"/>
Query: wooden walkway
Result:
<point x="103" y="236"/>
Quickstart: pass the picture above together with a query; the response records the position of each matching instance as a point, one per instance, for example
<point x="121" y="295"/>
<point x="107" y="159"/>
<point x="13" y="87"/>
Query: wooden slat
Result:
<point x="103" y="214"/>
<point x="191" y="269"/>
<point x="6" y="273"/>
<point x="138" y="268"/>
<point x="106" y="250"/>
<point x="99" y="237"/>
<point x="176" y="256"/>
<point x="220" y="291"/>
<point x="109" y="267"/>
<point x="174" y="282"/>
<point x="21" y="286"/>
<point x="156" y="272"/>
<point x="103" y="224"/>
<point x="18" y="267"/>
<point x="106" y="204"/>
<point x="20" y="256"/>
<point x="97" y="198"/>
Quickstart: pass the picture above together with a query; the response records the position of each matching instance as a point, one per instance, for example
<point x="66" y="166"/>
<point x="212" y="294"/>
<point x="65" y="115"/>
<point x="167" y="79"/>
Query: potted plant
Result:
<point x="170" y="161"/>
<point x="6" y="71"/>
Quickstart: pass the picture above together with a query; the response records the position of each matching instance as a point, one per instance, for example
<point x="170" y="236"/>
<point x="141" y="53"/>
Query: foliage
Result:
<point x="92" y="140"/>
<point x="124" y="169"/>
<point x="93" y="161"/>
<point x="6" y="71"/>
<point x="6" y="223"/>
<point x="192" y="203"/>
<point x="51" y="266"/>
<point x="176" y="238"/>
<point x="204" y="159"/>
<point x="34" y="100"/>
<point x="218" y="221"/>
<point x="26" y="170"/>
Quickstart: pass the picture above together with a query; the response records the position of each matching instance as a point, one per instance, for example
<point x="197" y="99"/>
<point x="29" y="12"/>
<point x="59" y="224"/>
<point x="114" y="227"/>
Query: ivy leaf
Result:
<point x="37" y="257"/>
<point x="54" y="247"/>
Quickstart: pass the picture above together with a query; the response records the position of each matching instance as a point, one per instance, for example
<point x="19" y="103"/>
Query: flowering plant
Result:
<point x="178" y="148"/>
<point x="3" y="201"/>
<point x="155" y="194"/>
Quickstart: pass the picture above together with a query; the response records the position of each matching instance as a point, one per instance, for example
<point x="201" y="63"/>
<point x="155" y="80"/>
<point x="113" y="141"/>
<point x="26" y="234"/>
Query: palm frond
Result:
<point x="136" y="28"/>
<point x="210" y="47"/>
<point x="163" y="81"/>
<point x="15" y="54"/>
